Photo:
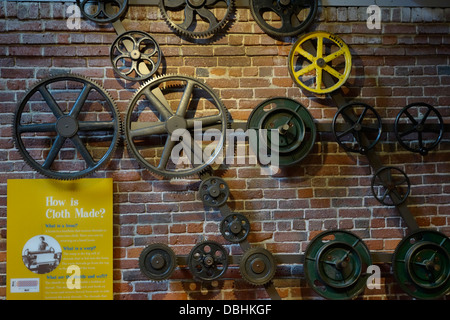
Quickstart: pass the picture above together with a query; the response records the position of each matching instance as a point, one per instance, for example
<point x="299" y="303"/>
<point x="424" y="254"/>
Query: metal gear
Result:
<point x="214" y="191"/>
<point x="153" y="123"/>
<point x="257" y="266"/>
<point x="61" y="123"/>
<point x="157" y="261"/>
<point x="103" y="11"/>
<point x="139" y="62"/>
<point x="208" y="260"/>
<point x="206" y="25"/>
<point x="294" y="16"/>
<point x="235" y="227"/>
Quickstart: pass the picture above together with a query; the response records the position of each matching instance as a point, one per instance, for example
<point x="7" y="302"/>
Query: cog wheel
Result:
<point x="135" y="55"/>
<point x="66" y="127"/>
<point x="235" y="227"/>
<point x="201" y="18"/>
<point x="335" y="264"/>
<point x="208" y="260"/>
<point x="257" y="266"/>
<point x="292" y="16"/>
<point x="317" y="53"/>
<point x="168" y="122"/>
<point x="421" y="264"/>
<point x="214" y="191"/>
<point x="157" y="261"/>
<point x="103" y="11"/>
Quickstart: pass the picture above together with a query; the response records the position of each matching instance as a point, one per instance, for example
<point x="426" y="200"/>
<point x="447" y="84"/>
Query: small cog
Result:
<point x="157" y="261"/>
<point x="257" y="266"/>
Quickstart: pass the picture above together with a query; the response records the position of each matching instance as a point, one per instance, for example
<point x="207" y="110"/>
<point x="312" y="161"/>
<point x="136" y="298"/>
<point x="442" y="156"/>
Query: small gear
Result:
<point x="257" y="266"/>
<point x="157" y="261"/>
<point x="103" y="11"/>
<point x="235" y="227"/>
<point x="200" y="20"/>
<point x="214" y="192"/>
<point x="62" y="140"/>
<point x="208" y="260"/>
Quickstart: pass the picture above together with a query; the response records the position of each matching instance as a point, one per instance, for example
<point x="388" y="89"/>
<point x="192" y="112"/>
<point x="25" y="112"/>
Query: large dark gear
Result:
<point x="166" y="118"/>
<point x="214" y="191"/>
<point x="66" y="127"/>
<point x="292" y="16"/>
<point x="235" y="227"/>
<point x="103" y="11"/>
<point x="257" y="266"/>
<point x="208" y="261"/>
<point x="157" y="261"/>
<point x="199" y="18"/>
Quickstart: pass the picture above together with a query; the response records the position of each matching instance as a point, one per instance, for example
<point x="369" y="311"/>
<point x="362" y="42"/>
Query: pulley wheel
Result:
<point x="419" y="127"/>
<point x="214" y="192"/>
<point x="103" y="11"/>
<point x="208" y="260"/>
<point x="157" y="261"/>
<point x="293" y="124"/>
<point x="390" y="186"/>
<point x="317" y="53"/>
<point x="421" y="264"/>
<point x="235" y="227"/>
<point x="335" y="264"/>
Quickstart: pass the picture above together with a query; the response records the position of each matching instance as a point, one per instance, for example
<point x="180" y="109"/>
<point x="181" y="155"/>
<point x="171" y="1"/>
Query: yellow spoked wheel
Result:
<point x="316" y="55"/>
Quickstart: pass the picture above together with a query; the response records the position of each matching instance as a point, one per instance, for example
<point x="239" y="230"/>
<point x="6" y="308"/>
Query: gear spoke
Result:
<point x="83" y="151"/>
<point x="165" y="113"/>
<point x="79" y="103"/>
<point x="208" y="15"/>
<point x="57" y="145"/>
<point x="185" y="99"/>
<point x="139" y="130"/>
<point x="53" y="105"/>
<point x="38" y="127"/>
<point x="96" y="125"/>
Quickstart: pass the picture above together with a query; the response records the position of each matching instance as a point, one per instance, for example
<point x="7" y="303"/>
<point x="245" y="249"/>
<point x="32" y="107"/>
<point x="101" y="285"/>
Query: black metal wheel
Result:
<point x="257" y="266"/>
<point x="66" y="127"/>
<point x="419" y="127"/>
<point x="214" y="192"/>
<point x="208" y="261"/>
<point x="235" y="227"/>
<point x="390" y="186"/>
<point x="201" y="18"/>
<point x="357" y="127"/>
<point x="166" y="119"/>
<point x="103" y="11"/>
<point x="289" y="17"/>
<point x="135" y="55"/>
<point x="157" y="261"/>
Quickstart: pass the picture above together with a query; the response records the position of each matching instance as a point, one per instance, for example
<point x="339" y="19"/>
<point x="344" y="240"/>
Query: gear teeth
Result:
<point x="247" y="276"/>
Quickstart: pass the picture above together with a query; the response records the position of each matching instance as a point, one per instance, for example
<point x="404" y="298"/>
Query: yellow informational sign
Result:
<point x="59" y="239"/>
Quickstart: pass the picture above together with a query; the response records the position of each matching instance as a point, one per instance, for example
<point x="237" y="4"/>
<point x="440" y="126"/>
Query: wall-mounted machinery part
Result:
<point x="421" y="264"/>
<point x="419" y="127"/>
<point x="165" y="120"/>
<point x="66" y="127"/>
<point x="390" y="186"/>
<point x="235" y="227"/>
<point x="157" y="261"/>
<point x="214" y="191"/>
<point x="357" y="127"/>
<point x="200" y="18"/>
<point x="129" y="64"/>
<point x="331" y="56"/>
<point x="208" y="260"/>
<point x="284" y="18"/>
<point x="292" y="122"/>
<point x="257" y="266"/>
<point x="103" y="11"/>
<point x="335" y="264"/>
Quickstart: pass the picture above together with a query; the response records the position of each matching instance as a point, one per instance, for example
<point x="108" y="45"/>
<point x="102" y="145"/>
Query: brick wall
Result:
<point x="404" y="62"/>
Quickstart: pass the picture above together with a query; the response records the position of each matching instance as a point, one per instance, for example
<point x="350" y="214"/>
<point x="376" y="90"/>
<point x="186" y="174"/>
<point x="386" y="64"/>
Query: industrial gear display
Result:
<point x="419" y="127"/>
<point x="295" y="126"/>
<point x="359" y="118"/>
<point x="157" y="261"/>
<point x="214" y="191"/>
<point x="318" y="53"/>
<point x="235" y="227"/>
<point x="421" y="264"/>
<point x="390" y="186"/>
<point x="208" y="260"/>
<point x="103" y="11"/>
<point x="152" y="122"/>
<point x="294" y="16"/>
<point x="129" y="64"/>
<point x="195" y="13"/>
<point x="66" y="126"/>
<point x="257" y="266"/>
<point x="335" y="264"/>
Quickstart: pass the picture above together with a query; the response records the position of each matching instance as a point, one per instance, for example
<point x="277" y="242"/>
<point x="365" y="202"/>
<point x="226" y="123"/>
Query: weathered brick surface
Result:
<point x="406" y="61"/>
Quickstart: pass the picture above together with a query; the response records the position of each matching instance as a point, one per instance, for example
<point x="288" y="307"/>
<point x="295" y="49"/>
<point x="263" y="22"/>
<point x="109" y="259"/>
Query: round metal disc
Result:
<point x="208" y="260"/>
<point x="235" y="227"/>
<point x="214" y="192"/>
<point x="157" y="261"/>
<point x="335" y="264"/>
<point x="257" y="266"/>
<point x="421" y="264"/>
